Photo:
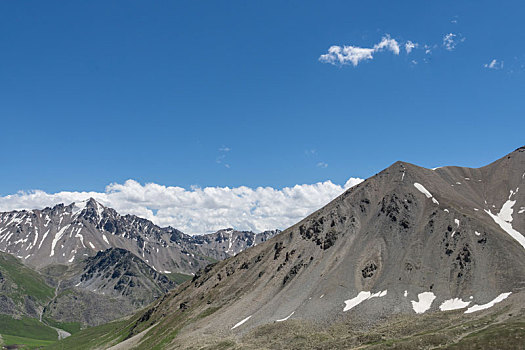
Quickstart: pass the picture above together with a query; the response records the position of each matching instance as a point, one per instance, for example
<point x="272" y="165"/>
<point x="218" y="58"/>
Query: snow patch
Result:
<point x="506" y="211"/>
<point x="287" y="317"/>
<point x="36" y="236"/>
<point x="423" y="190"/>
<point x="504" y="218"/>
<point x="477" y="233"/>
<point x="424" y="302"/>
<point x="241" y="322"/>
<point x="490" y="304"/>
<point x="78" y="235"/>
<point x="43" y="238"/>
<point x="78" y="207"/>
<point x="58" y="235"/>
<point x="91" y="245"/>
<point x="100" y="210"/>
<point x="453" y="304"/>
<point x="106" y="239"/>
<point x="362" y="296"/>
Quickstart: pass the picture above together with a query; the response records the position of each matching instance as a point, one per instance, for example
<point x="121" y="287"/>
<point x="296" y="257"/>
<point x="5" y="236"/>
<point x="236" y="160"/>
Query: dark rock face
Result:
<point x="128" y="275"/>
<point x="369" y="270"/>
<point x="7" y="306"/>
<point x="109" y="285"/>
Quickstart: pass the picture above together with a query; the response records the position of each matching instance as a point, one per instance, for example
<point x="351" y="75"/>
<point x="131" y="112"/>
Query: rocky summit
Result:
<point x="411" y="257"/>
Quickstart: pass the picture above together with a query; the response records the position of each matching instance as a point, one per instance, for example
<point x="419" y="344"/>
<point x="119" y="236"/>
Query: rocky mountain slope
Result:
<point x="112" y="284"/>
<point x="105" y="287"/>
<point x="65" y="234"/>
<point x="428" y="256"/>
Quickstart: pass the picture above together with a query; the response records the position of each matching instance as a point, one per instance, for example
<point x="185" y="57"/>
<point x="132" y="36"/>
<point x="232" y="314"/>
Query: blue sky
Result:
<point x="233" y="93"/>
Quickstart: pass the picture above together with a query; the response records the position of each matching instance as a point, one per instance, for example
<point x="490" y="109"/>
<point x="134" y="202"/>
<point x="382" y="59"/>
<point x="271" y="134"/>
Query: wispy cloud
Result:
<point x="354" y="54"/>
<point x="310" y="152"/>
<point x="409" y="46"/>
<point x="198" y="210"/>
<point x="349" y="54"/>
<point x="428" y="49"/>
<point x="494" y="64"/>
<point x="221" y="158"/>
<point x="322" y="165"/>
<point x="451" y="40"/>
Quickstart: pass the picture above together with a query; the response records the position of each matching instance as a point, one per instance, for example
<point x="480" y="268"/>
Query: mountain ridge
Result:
<point x="61" y="234"/>
<point x="407" y="242"/>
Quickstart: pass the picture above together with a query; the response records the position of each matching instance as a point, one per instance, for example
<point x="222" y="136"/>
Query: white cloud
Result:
<point x="351" y="182"/>
<point x="198" y="210"/>
<point x="451" y="40"/>
<point x="322" y="165"/>
<point x="387" y="43"/>
<point x="409" y="46"/>
<point x="494" y="64"/>
<point x="345" y="54"/>
<point x="354" y="54"/>
<point x="341" y="55"/>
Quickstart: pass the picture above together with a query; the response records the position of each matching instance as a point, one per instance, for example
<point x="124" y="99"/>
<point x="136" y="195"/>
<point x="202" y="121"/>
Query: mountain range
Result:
<point x="84" y="264"/>
<point x="65" y="233"/>
<point x="410" y="258"/>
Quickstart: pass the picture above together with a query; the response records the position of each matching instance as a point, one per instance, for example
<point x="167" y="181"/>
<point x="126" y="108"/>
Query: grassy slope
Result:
<point x="27" y="281"/>
<point x="21" y="281"/>
<point x="26" y="331"/>
<point x="433" y="330"/>
<point x="25" y="343"/>
<point x="71" y="327"/>
<point x="95" y="337"/>
<point x="178" y="278"/>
